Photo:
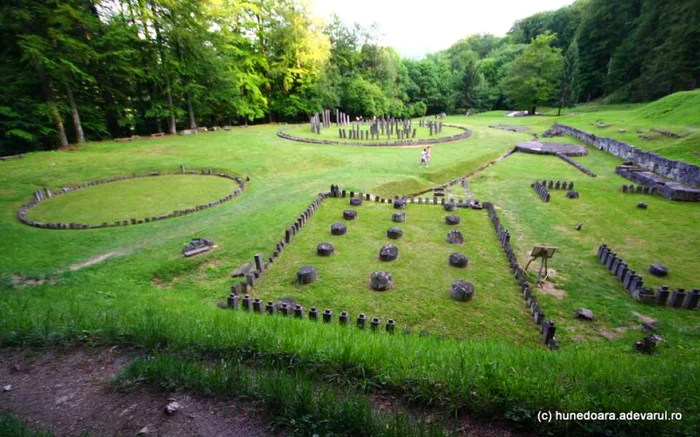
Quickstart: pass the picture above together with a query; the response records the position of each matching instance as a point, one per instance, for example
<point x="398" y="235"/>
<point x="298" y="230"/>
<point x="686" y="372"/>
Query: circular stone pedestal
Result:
<point x="394" y="233"/>
<point x="398" y="217"/>
<point x="462" y="291"/>
<point x="325" y="249"/>
<point x="388" y="253"/>
<point x="338" y="229"/>
<point x="381" y="281"/>
<point x="452" y="219"/>
<point x="349" y="214"/>
<point x="458" y="259"/>
<point x="307" y="275"/>
<point x="400" y="204"/>
<point x="356" y="201"/>
<point x="449" y="206"/>
<point x="658" y="270"/>
<point x="572" y="194"/>
<point x="455" y="237"/>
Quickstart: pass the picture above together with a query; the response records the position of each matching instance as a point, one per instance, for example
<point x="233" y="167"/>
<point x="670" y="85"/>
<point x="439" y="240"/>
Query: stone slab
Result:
<point x="511" y="128"/>
<point x="540" y="148"/>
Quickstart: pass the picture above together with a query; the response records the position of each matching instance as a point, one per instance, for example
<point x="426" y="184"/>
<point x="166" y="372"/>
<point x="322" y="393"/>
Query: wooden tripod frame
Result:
<point x="544" y="252"/>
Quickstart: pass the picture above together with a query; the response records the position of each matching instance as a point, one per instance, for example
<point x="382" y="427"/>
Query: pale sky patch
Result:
<point x="415" y="28"/>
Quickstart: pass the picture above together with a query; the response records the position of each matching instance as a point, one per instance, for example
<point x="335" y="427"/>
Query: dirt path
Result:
<point x="67" y="393"/>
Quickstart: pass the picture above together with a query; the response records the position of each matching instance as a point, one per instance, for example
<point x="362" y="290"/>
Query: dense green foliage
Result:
<point x="80" y="70"/>
<point x="633" y="50"/>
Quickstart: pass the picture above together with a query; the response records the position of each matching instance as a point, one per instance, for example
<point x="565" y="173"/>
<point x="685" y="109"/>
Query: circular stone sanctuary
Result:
<point x="130" y="199"/>
<point x="339" y="129"/>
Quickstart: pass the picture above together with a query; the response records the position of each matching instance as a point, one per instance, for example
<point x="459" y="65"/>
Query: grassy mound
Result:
<point x="682" y="108"/>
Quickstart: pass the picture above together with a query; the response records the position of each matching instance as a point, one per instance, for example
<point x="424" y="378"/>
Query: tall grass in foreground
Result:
<point x="296" y="403"/>
<point x="486" y="379"/>
<point x="10" y="426"/>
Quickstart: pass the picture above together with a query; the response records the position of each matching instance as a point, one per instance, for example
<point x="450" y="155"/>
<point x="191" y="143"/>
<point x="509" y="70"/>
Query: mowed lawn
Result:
<point x="286" y="176"/>
<point x="420" y="299"/>
<point x="134" y="198"/>
<point x="667" y="232"/>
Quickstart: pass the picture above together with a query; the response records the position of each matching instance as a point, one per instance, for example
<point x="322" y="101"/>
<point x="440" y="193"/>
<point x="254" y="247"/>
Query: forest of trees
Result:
<point x="82" y="70"/>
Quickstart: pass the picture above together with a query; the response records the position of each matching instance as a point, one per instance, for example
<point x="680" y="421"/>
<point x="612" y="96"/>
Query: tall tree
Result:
<point x="535" y="74"/>
<point x="570" y="85"/>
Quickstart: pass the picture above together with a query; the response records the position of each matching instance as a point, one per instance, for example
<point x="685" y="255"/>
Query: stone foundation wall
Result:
<point x="678" y="171"/>
<point x="651" y="181"/>
<point x="546" y="327"/>
<point x="634" y="283"/>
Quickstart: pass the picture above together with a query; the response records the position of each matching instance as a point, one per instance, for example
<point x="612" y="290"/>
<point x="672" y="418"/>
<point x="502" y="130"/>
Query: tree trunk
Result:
<point x="75" y="116"/>
<point x="51" y="102"/>
<point x="559" y="111"/>
<point x="190" y="111"/>
<point x="534" y="108"/>
<point x="172" y="128"/>
<point x="171" y="117"/>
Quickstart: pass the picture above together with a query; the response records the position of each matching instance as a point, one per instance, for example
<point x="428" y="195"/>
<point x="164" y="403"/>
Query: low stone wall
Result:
<point x="408" y="142"/>
<point x="659" y="185"/>
<point x="678" y="171"/>
<point x="541" y="191"/>
<point x="46" y="193"/>
<point x="639" y="189"/>
<point x="546" y="327"/>
<point x="634" y="283"/>
<point x="9" y="157"/>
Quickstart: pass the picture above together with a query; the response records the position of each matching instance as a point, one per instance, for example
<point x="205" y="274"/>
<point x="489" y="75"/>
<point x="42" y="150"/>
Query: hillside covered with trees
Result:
<point x="81" y="70"/>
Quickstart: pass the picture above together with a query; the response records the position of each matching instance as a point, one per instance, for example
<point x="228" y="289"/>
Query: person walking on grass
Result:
<point x="424" y="158"/>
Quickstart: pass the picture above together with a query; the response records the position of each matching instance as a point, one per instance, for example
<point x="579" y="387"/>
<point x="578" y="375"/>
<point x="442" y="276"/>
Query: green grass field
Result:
<point x="422" y="275"/>
<point x="152" y="298"/>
